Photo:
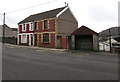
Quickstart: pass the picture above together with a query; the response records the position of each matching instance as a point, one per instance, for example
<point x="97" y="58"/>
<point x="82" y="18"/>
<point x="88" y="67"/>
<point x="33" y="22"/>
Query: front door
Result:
<point x="31" y="39"/>
<point x="64" y="43"/>
<point x="35" y="40"/>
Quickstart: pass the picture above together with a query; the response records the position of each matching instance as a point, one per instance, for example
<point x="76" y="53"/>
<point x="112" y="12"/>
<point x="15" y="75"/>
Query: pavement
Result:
<point x="35" y="47"/>
<point x="65" y="50"/>
<point x="32" y="63"/>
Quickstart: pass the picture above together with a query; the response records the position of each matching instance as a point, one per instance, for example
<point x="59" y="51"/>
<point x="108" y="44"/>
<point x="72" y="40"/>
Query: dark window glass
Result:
<point x="45" y="24"/>
<point x="45" y="37"/>
<point x="24" y="27"/>
<point x="35" y="25"/>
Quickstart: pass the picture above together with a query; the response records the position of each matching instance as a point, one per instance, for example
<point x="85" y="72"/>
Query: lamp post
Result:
<point x="3" y="41"/>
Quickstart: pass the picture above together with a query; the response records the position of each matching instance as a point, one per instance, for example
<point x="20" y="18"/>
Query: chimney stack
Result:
<point x="66" y="4"/>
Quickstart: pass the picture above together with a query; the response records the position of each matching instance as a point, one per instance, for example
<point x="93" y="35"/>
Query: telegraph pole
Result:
<point x="3" y="28"/>
<point x="110" y="41"/>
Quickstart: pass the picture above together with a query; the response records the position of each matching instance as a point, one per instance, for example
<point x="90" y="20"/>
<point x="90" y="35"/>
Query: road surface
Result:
<point x="23" y="63"/>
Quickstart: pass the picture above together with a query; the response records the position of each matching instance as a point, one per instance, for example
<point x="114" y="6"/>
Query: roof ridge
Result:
<point x="86" y="30"/>
<point x="48" y="11"/>
<point x="43" y="15"/>
<point x="89" y="29"/>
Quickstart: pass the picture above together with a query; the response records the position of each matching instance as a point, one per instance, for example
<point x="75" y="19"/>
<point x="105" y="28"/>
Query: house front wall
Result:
<point x="40" y="42"/>
<point x="35" y="36"/>
<point x="27" y="32"/>
<point x="27" y="39"/>
<point x="27" y="28"/>
<point x="40" y="26"/>
<point x="50" y="30"/>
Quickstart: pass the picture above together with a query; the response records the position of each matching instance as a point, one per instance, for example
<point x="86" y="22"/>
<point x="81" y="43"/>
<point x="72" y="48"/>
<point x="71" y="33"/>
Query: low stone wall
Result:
<point x="10" y="40"/>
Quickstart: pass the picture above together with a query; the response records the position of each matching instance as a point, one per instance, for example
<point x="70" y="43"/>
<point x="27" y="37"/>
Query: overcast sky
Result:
<point x="98" y="15"/>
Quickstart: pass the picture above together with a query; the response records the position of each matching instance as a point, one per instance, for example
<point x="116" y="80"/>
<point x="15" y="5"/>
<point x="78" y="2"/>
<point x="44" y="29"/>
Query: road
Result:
<point x="23" y="63"/>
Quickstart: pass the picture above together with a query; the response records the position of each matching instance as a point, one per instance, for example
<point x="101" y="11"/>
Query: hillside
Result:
<point x="115" y="31"/>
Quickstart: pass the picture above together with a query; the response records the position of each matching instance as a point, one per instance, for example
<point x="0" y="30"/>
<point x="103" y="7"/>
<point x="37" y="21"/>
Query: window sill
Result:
<point x="46" y="42"/>
<point x="45" y="29"/>
<point x="23" y="30"/>
<point x="31" y="30"/>
<point x="24" y="42"/>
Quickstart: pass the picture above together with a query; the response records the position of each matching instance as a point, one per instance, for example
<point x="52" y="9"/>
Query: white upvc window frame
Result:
<point x="23" y="27"/>
<point x="31" y="24"/>
<point x="24" y="41"/>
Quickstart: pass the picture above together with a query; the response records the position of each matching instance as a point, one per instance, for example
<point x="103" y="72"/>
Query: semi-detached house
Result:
<point x="48" y="29"/>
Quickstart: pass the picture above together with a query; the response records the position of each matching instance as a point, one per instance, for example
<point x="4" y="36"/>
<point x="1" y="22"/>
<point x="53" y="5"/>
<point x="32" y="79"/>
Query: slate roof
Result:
<point x="14" y="29"/>
<point x="43" y="15"/>
<point x="83" y="30"/>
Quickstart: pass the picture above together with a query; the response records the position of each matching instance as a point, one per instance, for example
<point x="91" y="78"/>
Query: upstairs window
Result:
<point x="45" y="24"/>
<point x="46" y="37"/>
<point x="31" y="27"/>
<point x="24" y="27"/>
<point x="35" y="25"/>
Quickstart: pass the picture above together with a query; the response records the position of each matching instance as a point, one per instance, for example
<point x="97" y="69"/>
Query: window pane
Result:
<point x="45" y="24"/>
<point x="35" y="26"/>
<point x="46" y="37"/>
<point x="24" y="39"/>
<point x="31" y="27"/>
<point x="24" y="27"/>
